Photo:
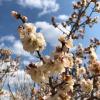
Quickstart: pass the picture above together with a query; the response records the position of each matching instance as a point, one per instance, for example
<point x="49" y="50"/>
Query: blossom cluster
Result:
<point x="31" y="40"/>
<point x="57" y="63"/>
<point x="5" y="52"/>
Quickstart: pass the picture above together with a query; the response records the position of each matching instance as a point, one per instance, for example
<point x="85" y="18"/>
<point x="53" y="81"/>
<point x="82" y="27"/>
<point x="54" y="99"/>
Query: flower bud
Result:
<point x="15" y="14"/>
<point x="24" y="18"/>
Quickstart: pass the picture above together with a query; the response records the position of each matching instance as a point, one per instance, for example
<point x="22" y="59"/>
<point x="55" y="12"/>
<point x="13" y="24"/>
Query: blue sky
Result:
<point x="38" y="12"/>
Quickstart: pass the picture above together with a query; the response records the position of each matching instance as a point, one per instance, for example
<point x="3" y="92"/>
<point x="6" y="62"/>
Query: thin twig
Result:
<point x="11" y="92"/>
<point x="40" y="56"/>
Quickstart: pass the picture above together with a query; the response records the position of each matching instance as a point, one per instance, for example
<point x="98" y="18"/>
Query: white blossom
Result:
<point x="31" y="40"/>
<point x="86" y="85"/>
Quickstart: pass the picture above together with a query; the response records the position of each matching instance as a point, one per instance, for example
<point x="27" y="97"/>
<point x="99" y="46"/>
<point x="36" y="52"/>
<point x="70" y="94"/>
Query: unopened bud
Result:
<point x="24" y="18"/>
<point x="15" y="14"/>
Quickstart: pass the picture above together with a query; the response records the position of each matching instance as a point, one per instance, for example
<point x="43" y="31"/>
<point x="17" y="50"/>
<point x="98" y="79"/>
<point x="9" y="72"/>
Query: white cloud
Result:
<point x="50" y="33"/>
<point x="2" y="45"/>
<point x="15" y="45"/>
<point x="63" y="17"/>
<point x="65" y="30"/>
<point x="26" y="62"/>
<point x="18" y="48"/>
<point x="47" y="6"/>
<point x="8" y="38"/>
<point x="30" y="3"/>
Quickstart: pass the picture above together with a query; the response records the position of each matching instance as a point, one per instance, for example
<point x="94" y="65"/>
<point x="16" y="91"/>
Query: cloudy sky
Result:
<point x="38" y="12"/>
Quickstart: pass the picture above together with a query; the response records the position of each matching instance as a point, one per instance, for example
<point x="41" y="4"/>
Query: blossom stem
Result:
<point x="40" y="56"/>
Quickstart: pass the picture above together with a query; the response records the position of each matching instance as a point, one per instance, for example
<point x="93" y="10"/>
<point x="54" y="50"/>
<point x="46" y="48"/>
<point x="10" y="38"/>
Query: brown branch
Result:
<point x="40" y="57"/>
<point x="51" y="86"/>
<point x="76" y="26"/>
